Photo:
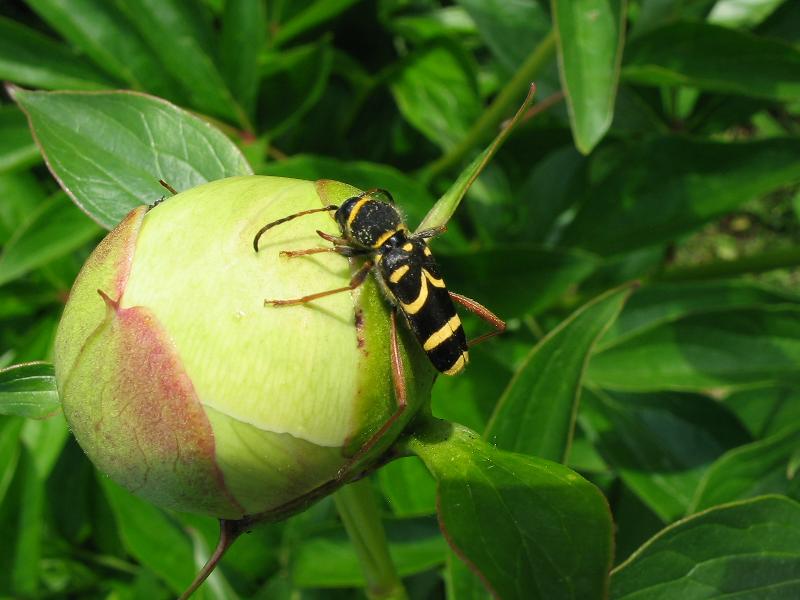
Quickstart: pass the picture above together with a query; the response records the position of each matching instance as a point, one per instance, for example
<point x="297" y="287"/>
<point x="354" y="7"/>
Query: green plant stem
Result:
<point x="359" y="512"/>
<point x="498" y="110"/>
<point x="758" y="263"/>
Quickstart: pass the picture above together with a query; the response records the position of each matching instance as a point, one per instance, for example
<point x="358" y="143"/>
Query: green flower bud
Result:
<point x="181" y="385"/>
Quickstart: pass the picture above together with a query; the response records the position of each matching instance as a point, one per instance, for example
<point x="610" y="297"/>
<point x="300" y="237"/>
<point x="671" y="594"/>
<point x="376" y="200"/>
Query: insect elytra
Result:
<point x="406" y="270"/>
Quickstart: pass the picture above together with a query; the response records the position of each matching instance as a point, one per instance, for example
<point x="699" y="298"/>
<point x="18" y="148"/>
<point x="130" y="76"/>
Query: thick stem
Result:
<point x="359" y="512"/>
<point x="493" y="116"/>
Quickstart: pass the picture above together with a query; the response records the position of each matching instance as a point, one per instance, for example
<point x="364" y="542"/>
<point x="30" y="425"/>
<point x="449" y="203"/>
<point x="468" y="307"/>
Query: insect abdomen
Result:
<point x="422" y="297"/>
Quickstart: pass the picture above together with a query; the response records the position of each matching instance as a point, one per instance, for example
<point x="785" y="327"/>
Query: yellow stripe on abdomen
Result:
<point x="444" y="333"/>
<point x="414" y="307"/>
<point x="459" y="365"/>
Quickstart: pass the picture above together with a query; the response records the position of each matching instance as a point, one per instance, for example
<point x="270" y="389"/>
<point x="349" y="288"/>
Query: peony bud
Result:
<point x="181" y="385"/>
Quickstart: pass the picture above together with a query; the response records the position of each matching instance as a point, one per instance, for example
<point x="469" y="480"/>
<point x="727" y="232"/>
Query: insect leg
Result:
<point x="482" y="312"/>
<point x="339" y="241"/>
<point x="355" y="281"/>
<point x="168" y="187"/>
<point x="289" y="218"/>
<point x="343" y="250"/>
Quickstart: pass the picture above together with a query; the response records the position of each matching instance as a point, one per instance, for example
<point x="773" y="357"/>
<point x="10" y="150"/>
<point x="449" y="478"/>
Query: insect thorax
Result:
<point x="368" y="222"/>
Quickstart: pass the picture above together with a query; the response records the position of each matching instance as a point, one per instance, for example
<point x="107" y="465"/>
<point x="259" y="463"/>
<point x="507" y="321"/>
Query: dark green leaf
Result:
<point x="446" y="206"/>
<point x="183" y="41"/>
<point x="516" y="518"/>
<point x="292" y="82"/>
<point x="659" y="303"/>
<point x="414" y="544"/>
<point x="10" y="429"/>
<point x="651" y="192"/>
<point x="515" y="280"/>
<point x="765" y="411"/>
<point x="590" y="41"/>
<point x="461" y="582"/>
<point x="100" y="30"/>
<point x="536" y="413"/>
<point x="152" y="537"/>
<point x="547" y="194"/>
<point x="21" y="195"/>
<point x="713" y="58"/>
<point x="660" y="444"/>
<point x="437" y="93"/>
<point x="752" y="470"/>
<point x="22" y="524"/>
<point x="317" y="12"/>
<point x="510" y="29"/>
<point x="746" y="550"/>
<point x="17" y="148"/>
<point x="719" y="349"/>
<point x="54" y="229"/>
<point x="29" y="58"/>
<point x="29" y="390"/>
<point x="110" y="149"/>
<point x="45" y="438"/>
<point x="243" y="34"/>
<point x="409" y="488"/>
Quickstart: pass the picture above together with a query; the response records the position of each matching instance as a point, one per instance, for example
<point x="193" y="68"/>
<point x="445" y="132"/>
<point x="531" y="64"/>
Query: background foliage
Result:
<point x="664" y="147"/>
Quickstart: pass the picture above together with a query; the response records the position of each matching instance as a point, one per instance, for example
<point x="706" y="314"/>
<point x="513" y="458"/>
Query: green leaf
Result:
<point x="21" y="195"/>
<point x="408" y="487"/>
<point x="515" y="280"/>
<point x="742" y="13"/>
<point x="446" y="206"/>
<point x="436" y="92"/>
<point x="658" y="303"/>
<point x="10" y="429"/>
<point x="461" y="583"/>
<point x="22" y="523"/>
<point x="651" y="192"/>
<point x="183" y="41"/>
<point x="715" y="59"/>
<point x="29" y="390"/>
<point x="17" y="148"/>
<point x="318" y="12"/>
<point x="720" y="349"/>
<point x="660" y="444"/>
<point x="510" y="29"/>
<point x="765" y="411"/>
<point x="536" y="413"/>
<point x="752" y="470"/>
<point x="151" y="537"/>
<point x="55" y="228"/>
<point x="746" y="550"/>
<point x="515" y="519"/>
<point x="243" y="35"/>
<point x="101" y="31"/>
<point x="292" y="82"/>
<point x="415" y="545"/>
<point x="590" y="41"/>
<point x="29" y="58"/>
<point x="109" y="150"/>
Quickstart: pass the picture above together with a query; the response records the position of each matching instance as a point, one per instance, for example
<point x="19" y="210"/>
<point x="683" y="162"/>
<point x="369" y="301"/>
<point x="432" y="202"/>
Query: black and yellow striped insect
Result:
<point x="372" y="227"/>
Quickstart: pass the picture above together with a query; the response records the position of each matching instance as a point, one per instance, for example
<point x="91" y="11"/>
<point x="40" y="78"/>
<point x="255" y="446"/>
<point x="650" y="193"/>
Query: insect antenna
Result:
<point x="289" y="218"/>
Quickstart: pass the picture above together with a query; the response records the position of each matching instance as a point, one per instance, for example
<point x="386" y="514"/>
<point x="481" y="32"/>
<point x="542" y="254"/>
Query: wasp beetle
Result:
<point x="405" y="268"/>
